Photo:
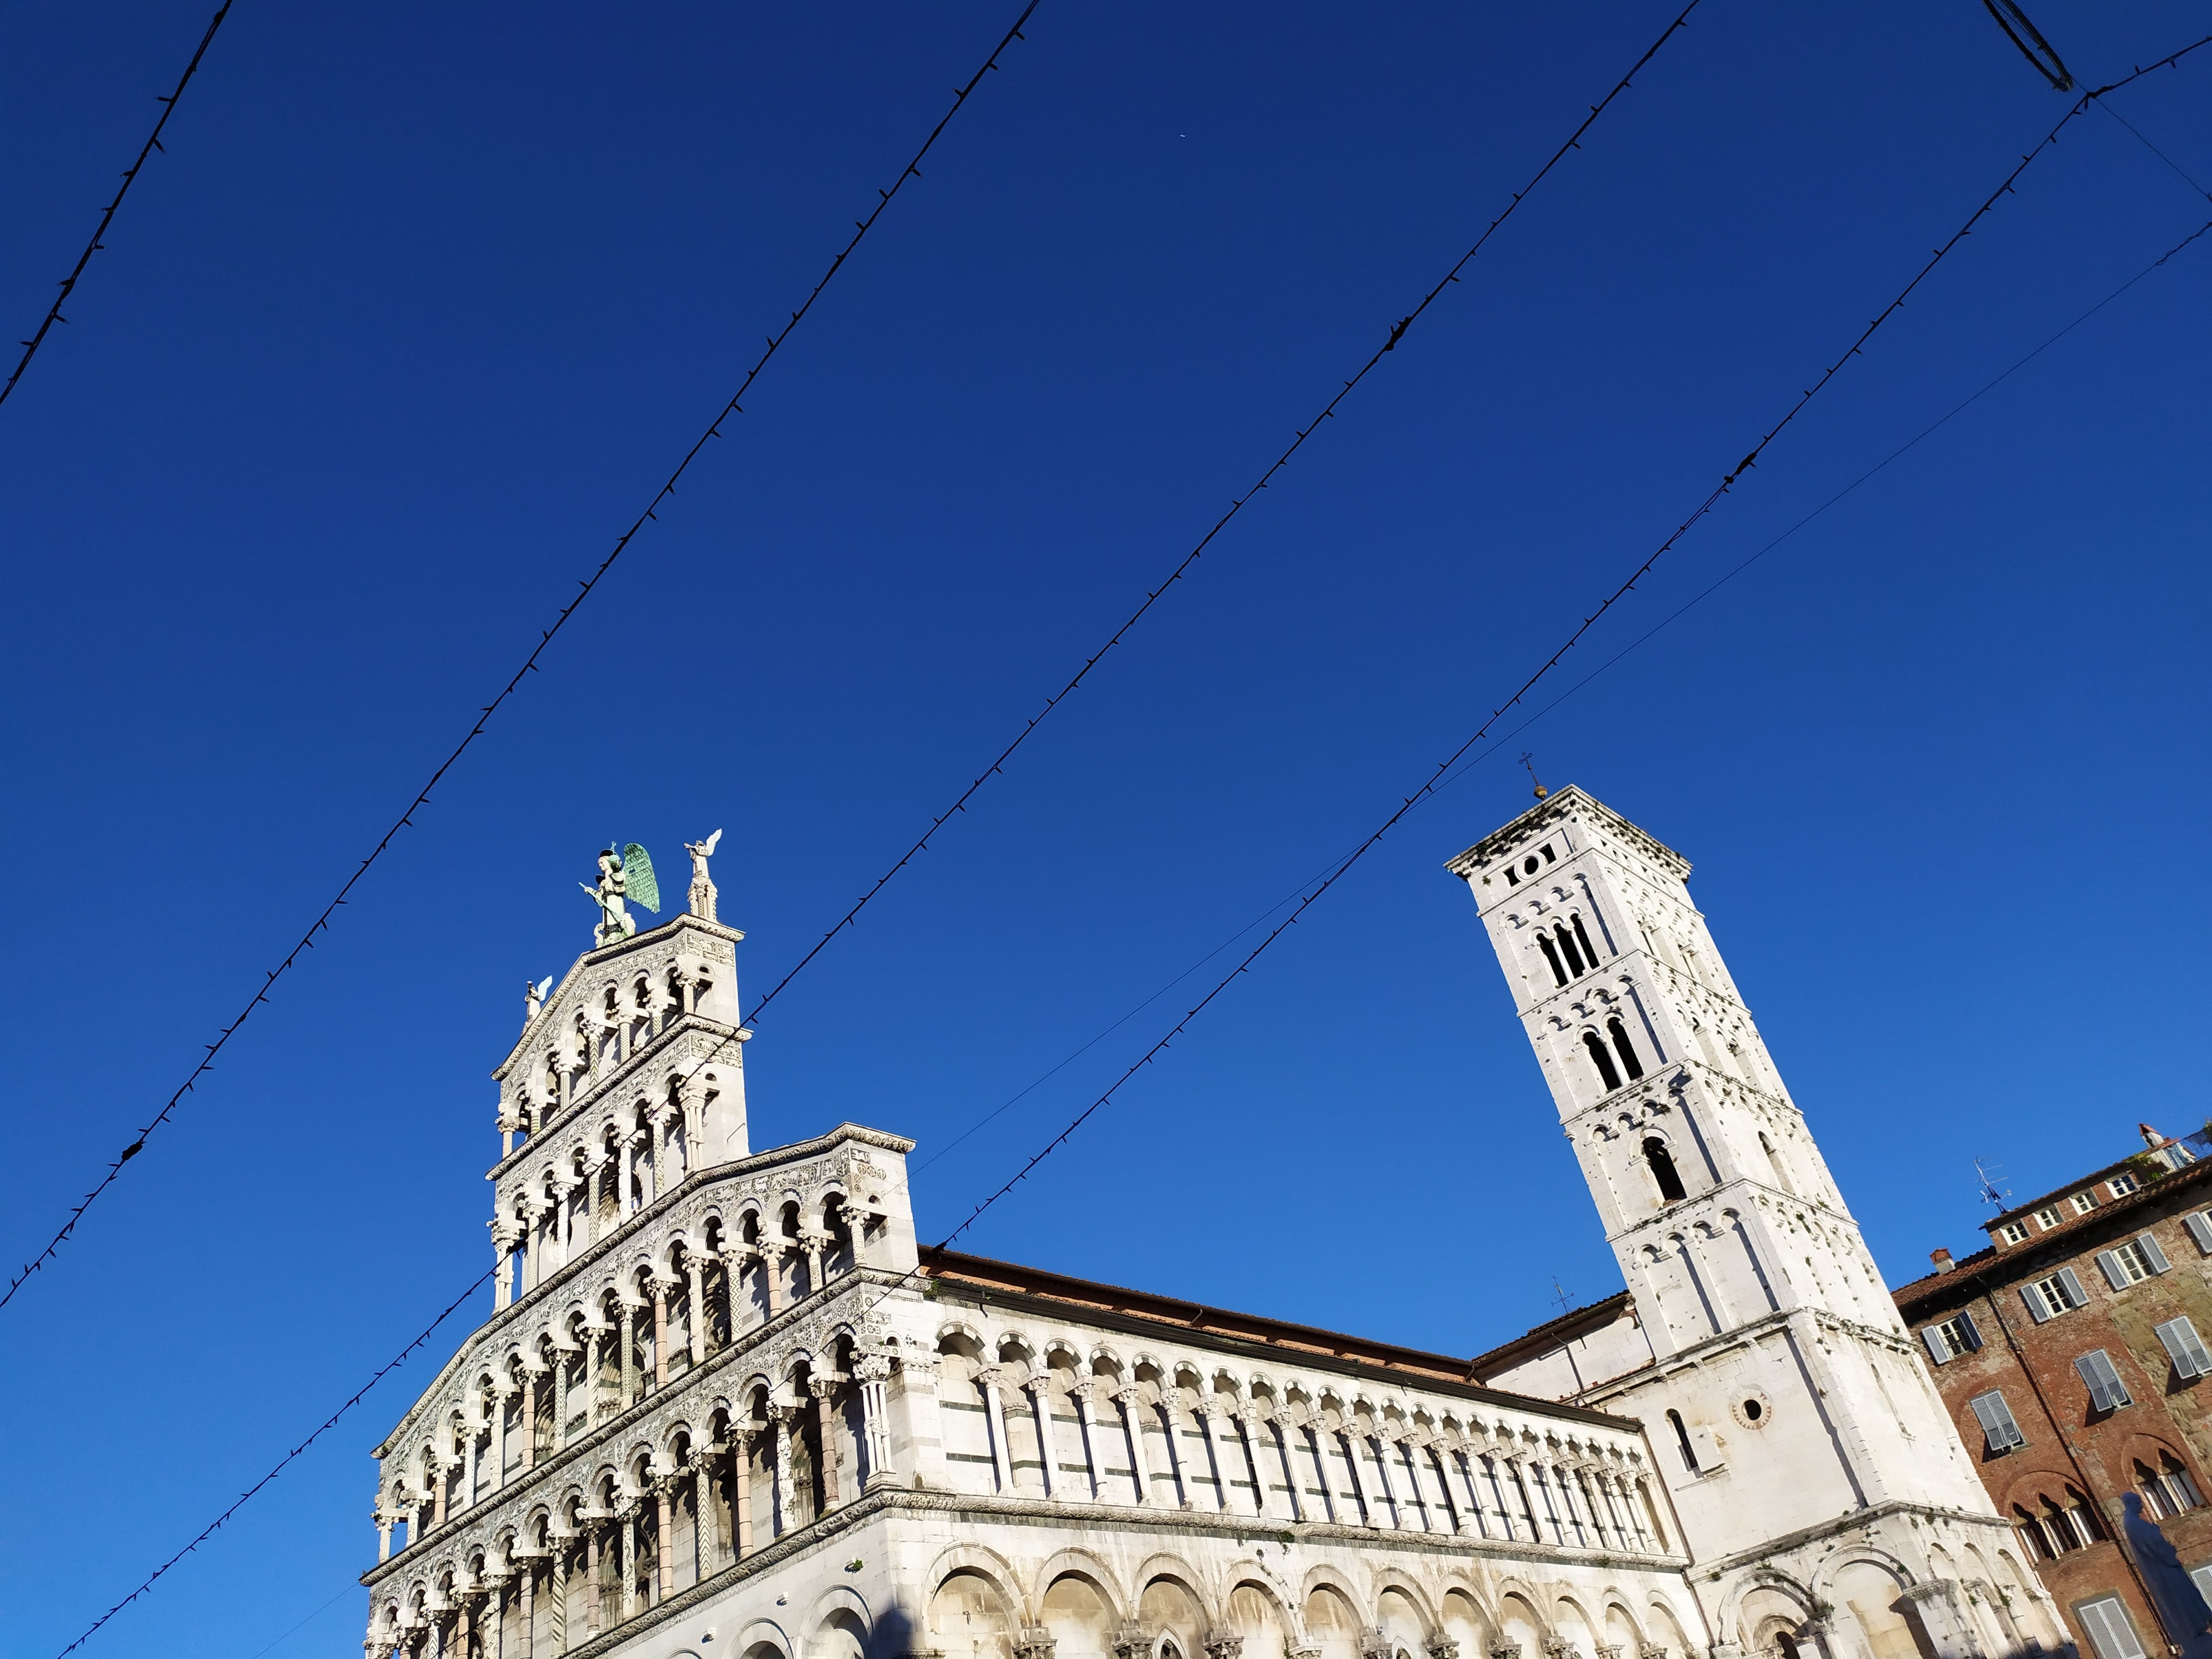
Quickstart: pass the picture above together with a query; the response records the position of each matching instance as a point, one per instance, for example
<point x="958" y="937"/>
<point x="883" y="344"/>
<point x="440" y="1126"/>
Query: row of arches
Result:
<point x="1021" y="1415"/>
<point x="1076" y="1605"/>
<point x="636" y="1154"/>
<point x="770" y="1459"/>
<point x="646" y="1324"/>
<point x="607" y="1027"/>
<point x="1967" y="1600"/>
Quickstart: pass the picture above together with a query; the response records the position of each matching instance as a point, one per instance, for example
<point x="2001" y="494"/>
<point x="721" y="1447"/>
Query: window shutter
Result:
<point x="2037" y="1309"/>
<point x="1998" y="1427"/>
<point x="1939" y="1348"/>
<point x="2107" y="1391"/>
<point x="2075" y="1296"/>
<point x="2200" y="1229"/>
<point x="2184" y="1348"/>
<point x="2115" y="1275"/>
<point x="2109" y="1631"/>
<point x="2158" y="1264"/>
<point x="1971" y="1331"/>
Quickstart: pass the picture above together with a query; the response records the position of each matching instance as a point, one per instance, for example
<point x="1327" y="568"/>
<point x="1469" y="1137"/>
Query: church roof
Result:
<point x="1331" y="1350"/>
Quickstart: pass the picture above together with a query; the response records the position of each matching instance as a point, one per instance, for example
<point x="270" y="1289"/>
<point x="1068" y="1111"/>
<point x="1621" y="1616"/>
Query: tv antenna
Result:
<point x="1995" y="1191"/>
<point x="1559" y="1295"/>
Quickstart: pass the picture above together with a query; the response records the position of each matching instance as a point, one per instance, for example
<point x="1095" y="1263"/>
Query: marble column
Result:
<point x="660" y="1332"/>
<point x="987" y="1379"/>
<point x="741" y="1489"/>
<point x="1040" y="1393"/>
<point x="664" y="1540"/>
<point x="530" y="1374"/>
<point x="1131" y="1400"/>
<point x="626" y="1356"/>
<point x="696" y="1270"/>
<point x="873" y="1371"/>
<point x="825" y="1390"/>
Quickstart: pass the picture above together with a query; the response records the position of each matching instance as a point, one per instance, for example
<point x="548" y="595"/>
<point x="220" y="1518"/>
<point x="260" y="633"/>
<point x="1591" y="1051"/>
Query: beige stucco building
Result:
<point x="726" y="1406"/>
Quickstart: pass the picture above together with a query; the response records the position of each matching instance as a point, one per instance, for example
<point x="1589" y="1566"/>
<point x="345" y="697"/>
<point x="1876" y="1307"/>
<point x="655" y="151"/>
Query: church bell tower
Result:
<point x="1786" y="1405"/>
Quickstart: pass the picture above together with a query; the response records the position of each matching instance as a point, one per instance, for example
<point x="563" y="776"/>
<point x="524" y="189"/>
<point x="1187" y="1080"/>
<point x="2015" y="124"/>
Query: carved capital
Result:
<point x="1033" y="1642"/>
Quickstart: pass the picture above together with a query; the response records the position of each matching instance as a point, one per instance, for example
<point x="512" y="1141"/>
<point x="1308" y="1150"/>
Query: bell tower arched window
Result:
<point x="1574" y="957"/>
<point x="1624" y="1048"/>
<point x="1663" y="1171"/>
<point x="1602" y="1060"/>
<point x="1552" y="955"/>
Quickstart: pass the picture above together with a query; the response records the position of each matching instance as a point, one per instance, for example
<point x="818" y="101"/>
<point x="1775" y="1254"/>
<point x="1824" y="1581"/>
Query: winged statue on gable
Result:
<point x="623" y="875"/>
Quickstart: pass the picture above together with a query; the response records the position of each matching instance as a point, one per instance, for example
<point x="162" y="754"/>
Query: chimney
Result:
<point x="2152" y="1139"/>
<point x="1941" y="1259"/>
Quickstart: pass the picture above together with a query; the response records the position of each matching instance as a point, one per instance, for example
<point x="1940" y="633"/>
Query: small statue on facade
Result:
<point x="623" y="876"/>
<point x="533" y="997"/>
<point x="702" y="886"/>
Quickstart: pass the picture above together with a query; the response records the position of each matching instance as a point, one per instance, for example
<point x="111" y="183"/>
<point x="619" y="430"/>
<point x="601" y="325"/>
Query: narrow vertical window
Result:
<point x="1682" y="1440"/>
<point x="1626" y="1049"/>
<point x="1552" y="955"/>
<point x="1603" y="1060"/>
<point x="1584" y="937"/>
<point x="1662" y="1170"/>
<point x="1567" y="950"/>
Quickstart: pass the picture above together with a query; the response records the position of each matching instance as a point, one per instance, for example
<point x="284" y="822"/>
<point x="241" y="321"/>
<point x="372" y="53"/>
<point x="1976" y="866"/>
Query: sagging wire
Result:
<point x="1443" y="771"/>
<point x="1397" y="333"/>
<point x="529" y="666"/>
<point x="153" y="143"/>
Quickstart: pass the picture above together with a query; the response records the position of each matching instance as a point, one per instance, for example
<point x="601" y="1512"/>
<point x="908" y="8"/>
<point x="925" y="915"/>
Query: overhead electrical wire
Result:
<point x="1236" y="505"/>
<point x="1442" y="775"/>
<point x="1506" y="736"/>
<point x="405" y="820"/>
<point x="285" y="1461"/>
<point x="1438" y="775"/>
<point x="129" y="177"/>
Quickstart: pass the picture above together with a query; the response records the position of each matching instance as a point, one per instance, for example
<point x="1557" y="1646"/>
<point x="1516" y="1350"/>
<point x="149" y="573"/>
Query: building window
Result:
<point x="2000" y="1428"/>
<point x="2106" y="1392"/>
<point x="2184" y="1348"/>
<point x="1682" y="1441"/>
<point x="1576" y="965"/>
<point x="1953" y="1337"/>
<point x="2122" y="1184"/>
<point x="2132" y="1262"/>
<point x="2082" y="1203"/>
<point x="2047" y="1217"/>
<point x="1663" y="1171"/>
<point x="2013" y="1232"/>
<point x="1583" y="935"/>
<point x="2168" y="1490"/>
<point x="2049" y="1297"/>
<point x="2200" y="1229"/>
<point x="1606" y="1074"/>
<point x="2109" y="1629"/>
<point x="1624" y="1048"/>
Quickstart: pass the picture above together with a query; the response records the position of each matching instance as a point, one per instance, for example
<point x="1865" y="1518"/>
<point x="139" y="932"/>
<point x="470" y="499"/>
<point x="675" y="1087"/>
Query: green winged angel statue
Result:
<point x="623" y="876"/>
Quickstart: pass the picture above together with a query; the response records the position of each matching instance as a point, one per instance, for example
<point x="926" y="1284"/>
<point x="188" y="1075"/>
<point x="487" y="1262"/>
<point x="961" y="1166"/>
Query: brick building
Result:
<point x="2072" y="1353"/>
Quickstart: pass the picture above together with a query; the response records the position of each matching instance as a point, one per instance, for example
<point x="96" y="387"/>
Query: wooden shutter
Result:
<point x="2153" y="1254"/>
<point x="2115" y="1274"/>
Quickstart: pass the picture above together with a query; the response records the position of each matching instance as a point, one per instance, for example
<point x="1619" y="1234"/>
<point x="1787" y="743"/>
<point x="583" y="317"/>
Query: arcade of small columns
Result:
<point x="543" y="1574"/>
<point x="607" y="1354"/>
<point x="602" y="1034"/>
<point x="1289" y="1451"/>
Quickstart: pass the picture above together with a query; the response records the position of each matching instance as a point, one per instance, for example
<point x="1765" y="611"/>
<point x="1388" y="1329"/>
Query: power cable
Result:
<point x="1506" y="736"/>
<point x="1446" y="772"/>
<point x="153" y="143"/>
<point x="285" y="1461"/>
<point x="2041" y="53"/>
<point x="2186" y="178"/>
<point x="1443" y="769"/>
<point x="913" y="170"/>
<point x="1235" y="505"/>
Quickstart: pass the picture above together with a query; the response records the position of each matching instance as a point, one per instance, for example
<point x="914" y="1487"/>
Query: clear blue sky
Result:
<point x="423" y="301"/>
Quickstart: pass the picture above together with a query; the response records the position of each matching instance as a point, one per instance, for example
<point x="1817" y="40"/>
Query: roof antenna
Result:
<point x="1559" y="1295"/>
<point x="1994" y="1189"/>
<point x="1527" y="759"/>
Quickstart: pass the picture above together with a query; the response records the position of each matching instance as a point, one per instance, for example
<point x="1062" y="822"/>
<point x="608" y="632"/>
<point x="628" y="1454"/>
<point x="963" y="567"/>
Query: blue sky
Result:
<point x="421" y="305"/>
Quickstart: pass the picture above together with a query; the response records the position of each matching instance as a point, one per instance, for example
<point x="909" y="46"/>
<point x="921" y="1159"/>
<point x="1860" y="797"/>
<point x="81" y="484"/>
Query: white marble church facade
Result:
<point x="724" y="1406"/>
